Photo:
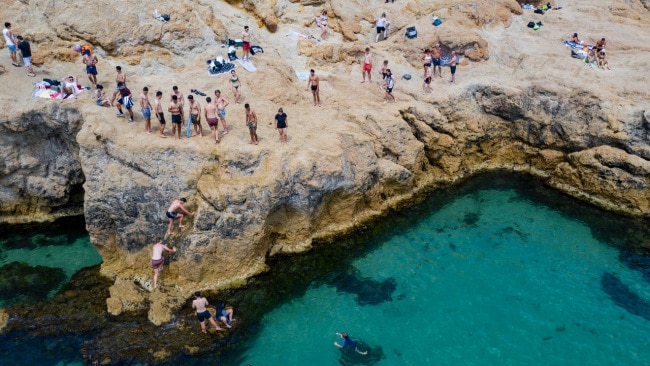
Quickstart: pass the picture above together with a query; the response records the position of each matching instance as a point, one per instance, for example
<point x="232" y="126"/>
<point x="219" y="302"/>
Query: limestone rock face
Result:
<point x="40" y="170"/>
<point x="520" y="102"/>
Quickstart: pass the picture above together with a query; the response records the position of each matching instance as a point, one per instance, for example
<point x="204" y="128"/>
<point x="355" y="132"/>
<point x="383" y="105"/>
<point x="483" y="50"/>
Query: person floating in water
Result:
<point x="173" y="215"/>
<point x="348" y="343"/>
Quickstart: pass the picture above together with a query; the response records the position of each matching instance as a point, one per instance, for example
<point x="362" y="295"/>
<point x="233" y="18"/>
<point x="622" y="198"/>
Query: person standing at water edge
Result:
<point x="157" y="260"/>
<point x="157" y="107"/>
<point x="173" y="215"/>
<point x="314" y="82"/>
<point x="212" y="119"/>
<point x="246" y="43"/>
<point x="367" y="65"/>
<point x="26" y="52"/>
<point x="202" y="313"/>
<point x="11" y="43"/>
<point x="281" y="124"/>
<point x="145" y="107"/>
<point x="90" y="60"/>
<point x="251" y="122"/>
<point x="346" y="342"/>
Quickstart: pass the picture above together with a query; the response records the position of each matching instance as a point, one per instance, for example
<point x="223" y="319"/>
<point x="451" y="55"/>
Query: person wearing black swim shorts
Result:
<point x="202" y="313"/>
<point x="281" y="124"/>
<point x="173" y="215"/>
<point x="314" y="82"/>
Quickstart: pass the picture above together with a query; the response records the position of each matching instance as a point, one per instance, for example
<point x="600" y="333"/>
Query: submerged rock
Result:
<point x="31" y="283"/>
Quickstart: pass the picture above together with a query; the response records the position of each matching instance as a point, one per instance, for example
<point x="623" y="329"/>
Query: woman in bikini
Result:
<point x="322" y="23"/>
<point x="235" y="84"/>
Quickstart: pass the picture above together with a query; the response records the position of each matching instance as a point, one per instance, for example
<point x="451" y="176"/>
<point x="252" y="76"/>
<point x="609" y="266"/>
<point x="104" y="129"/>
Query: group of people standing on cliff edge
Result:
<point x="222" y="312"/>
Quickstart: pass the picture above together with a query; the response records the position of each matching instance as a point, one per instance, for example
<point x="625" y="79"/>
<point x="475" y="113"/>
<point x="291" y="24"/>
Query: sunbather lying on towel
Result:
<point x="69" y="86"/>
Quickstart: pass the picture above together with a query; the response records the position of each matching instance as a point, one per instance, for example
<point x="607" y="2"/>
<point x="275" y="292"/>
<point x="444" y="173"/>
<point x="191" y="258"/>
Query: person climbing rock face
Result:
<point x="173" y="215"/>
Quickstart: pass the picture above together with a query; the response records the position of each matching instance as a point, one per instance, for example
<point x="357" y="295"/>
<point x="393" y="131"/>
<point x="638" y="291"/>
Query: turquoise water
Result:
<point x="490" y="277"/>
<point x="37" y="260"/>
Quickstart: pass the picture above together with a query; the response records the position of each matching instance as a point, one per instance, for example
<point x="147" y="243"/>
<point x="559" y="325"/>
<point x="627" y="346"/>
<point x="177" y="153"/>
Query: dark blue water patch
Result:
<point x="367" y="290"/>
<point x="22" y="283"/>
<point x="18" y="349"/>
<point x="31" y="236"/>
<point x="638" y="262"/>
<point x="623" y="296"/>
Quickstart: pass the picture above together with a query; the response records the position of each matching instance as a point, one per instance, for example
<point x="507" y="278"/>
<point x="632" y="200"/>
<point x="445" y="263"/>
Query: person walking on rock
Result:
<point x="157" y="260"/>
<point x="11" y="43"/>
<point x="367" y="65"/>
<point x="173" y="215"/>
<point x="281" y="124"/>
<point x="26" y="52"/>
<point x="90" y="60"/>
<point x="314" y="83"/>
<point x="202" y="313"/>
<point x="212" y="119"/>
<point x="251" y="122"/>
<point x="390" y="84"/>
<point x="125" y="100"/>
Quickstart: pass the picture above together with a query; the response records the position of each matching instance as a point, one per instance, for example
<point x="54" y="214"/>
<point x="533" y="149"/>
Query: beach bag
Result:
<point x="165" y="17"/>
<point x="539" y="11"/>
<point x="531" y="25"/>
<point x="407" y="76"/>
<point x="411" y="33"/>
<point x="85" y="48"/>
<point x="436" y="21"/>
<point x="256" y="49"/>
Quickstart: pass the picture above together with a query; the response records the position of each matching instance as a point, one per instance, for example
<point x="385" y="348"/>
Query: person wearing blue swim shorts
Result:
<point x="145" y="107"/>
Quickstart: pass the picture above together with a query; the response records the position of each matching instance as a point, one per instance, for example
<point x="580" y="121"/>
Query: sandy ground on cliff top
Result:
<point x="519" y="57"/>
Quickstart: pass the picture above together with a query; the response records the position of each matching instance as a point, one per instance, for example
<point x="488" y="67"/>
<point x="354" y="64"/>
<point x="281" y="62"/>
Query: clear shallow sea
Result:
<point x="489" y="277"/>
<point x="499" y="271"/>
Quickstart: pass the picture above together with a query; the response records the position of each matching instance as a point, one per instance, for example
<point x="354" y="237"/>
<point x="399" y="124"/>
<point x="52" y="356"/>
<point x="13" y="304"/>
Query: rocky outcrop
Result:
<point x="521" y="103"/>
<point x="40" y="170"/>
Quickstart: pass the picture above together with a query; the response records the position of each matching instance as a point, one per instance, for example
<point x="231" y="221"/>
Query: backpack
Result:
<point x="85" y="48"/>
<point x="411" y="33"/>
<point x="165" y="17"/>
<point x="531" y="24"/>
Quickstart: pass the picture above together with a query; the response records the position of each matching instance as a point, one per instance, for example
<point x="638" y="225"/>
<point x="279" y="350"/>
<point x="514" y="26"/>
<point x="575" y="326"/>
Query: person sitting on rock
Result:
<point x="224" y="313"/>
<point x="173" y="215"/>
<point x="602" y="61"/>
<point x="575" y="39"/>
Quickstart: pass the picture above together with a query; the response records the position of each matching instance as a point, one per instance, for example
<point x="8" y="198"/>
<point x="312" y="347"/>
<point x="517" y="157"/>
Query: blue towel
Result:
<point x="189" y="127"/>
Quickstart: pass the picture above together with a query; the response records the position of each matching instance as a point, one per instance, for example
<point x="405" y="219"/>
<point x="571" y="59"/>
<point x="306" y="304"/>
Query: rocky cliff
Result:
<point x="520" y="103"/>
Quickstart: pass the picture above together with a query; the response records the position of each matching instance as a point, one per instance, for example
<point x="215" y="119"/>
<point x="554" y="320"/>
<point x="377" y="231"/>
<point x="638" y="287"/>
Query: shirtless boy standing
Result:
<point x="157" y="107"/>
<point x="437" y="63"/>
<point x="314" y="82"/>
<point x="173" y="215"/>
<point x="157" y="260"/>
<point x="145" y="107"/>
<point x="177" y="118"/>
<point x="202" y="313"/>
<point x="195" y="115"/>
<point x="367" y="65"/>
<point x="251" y="122"/>
<point x="90" y="60"/>
<point x="120" y="77"/>
<point x="181" y="100"/>
<point x="212" y="119"/>
<point x="222" y="103"/>
<point x="246" y="43"/>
